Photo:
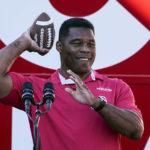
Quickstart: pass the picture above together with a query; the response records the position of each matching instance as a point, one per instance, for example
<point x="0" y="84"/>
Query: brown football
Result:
<point x="42" y="31"/>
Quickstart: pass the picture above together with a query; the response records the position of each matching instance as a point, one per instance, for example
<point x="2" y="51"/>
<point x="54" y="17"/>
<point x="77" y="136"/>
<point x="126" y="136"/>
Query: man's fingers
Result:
<point x="33" y="46"/>
<point x="43" y="51"/>
<point x="72" y="74"/>
<point x="36" y="48"/>
<point x="68" y="90"/>
<point x="75" y="78"/>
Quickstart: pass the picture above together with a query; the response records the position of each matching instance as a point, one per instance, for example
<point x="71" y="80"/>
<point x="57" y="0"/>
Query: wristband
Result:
<point x="102" y="103"/>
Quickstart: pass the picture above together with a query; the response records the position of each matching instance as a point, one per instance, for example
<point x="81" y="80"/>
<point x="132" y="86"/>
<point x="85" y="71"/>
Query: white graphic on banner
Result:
<point x="147" y="147"/>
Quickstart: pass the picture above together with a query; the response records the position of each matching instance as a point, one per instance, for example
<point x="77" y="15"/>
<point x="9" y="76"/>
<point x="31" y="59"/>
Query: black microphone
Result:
<point x="48" y="96"/>
<point x="27" y="95"/>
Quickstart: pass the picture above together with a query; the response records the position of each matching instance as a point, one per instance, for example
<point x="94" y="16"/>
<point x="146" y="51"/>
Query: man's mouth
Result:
<point x="83" y="58"/>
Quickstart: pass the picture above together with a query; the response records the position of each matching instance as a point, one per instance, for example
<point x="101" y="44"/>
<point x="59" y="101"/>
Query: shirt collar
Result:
<point x="93" y="75"/>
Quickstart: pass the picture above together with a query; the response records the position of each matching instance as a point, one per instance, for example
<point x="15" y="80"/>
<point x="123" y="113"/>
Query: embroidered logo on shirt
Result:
<point x="104" y="89"/>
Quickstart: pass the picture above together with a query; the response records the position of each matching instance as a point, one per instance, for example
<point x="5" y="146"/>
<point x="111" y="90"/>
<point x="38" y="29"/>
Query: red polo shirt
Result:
<point x="70" y="125"/>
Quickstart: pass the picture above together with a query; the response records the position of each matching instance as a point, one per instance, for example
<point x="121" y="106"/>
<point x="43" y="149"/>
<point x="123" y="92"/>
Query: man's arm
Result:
<point x="9" y="54"/>
<point x="122" y="121"/>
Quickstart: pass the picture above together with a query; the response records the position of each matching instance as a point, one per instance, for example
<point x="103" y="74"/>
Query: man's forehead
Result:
<point x="80" y="31"/>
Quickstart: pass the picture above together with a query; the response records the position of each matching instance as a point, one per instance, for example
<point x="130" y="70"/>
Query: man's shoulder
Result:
<point x="109" y="78"/>
<point x="105" y="77"/>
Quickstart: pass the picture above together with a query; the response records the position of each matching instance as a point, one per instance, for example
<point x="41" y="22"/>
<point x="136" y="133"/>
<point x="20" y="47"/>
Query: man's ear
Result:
<point x="59" y="46"/>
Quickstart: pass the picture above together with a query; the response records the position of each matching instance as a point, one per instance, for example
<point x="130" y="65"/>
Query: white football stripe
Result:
<point x="44" y="23"/>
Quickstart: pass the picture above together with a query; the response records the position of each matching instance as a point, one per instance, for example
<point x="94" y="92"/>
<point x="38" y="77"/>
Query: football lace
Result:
<point x="42" y="37"/>
<point x="49" y="37"/>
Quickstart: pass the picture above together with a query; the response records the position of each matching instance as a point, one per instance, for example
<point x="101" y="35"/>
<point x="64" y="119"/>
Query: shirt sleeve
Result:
<point x="14" y="98"/>
<point x="125" y="98"/>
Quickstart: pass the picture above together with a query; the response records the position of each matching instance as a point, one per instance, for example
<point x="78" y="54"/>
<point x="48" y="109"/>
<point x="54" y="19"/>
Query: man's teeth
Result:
<point x="83" y="58"/>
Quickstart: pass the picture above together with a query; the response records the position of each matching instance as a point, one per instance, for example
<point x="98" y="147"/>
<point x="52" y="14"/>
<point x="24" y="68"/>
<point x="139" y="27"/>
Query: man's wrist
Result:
<point x="102" y="101"/>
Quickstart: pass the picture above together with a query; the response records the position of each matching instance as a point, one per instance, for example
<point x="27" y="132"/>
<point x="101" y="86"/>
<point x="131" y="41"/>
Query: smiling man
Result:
<point x="77" y="48"/>
<point x="90" y="110"/>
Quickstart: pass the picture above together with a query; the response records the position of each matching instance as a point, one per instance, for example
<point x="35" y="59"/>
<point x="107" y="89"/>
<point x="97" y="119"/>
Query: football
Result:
<point x="42" y="31"/>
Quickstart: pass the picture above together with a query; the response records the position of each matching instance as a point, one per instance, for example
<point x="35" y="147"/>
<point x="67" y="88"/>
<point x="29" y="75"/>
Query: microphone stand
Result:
<point x="37" y="139"/>
<point x="27" y="97"/>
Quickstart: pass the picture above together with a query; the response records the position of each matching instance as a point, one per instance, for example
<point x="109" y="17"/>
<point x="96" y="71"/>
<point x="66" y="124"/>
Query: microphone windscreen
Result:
<point x="27" y="85"/>
<point x="48" y="85"/>
<point x="48" y="91"/>
<point x="27" y="92"/>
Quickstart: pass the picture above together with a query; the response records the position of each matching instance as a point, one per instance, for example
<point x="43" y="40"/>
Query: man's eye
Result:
<point x="76" y="43"/>
<point x="91" y="45"/>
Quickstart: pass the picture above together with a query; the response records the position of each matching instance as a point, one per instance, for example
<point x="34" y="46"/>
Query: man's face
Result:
<point x="78" y="50"/>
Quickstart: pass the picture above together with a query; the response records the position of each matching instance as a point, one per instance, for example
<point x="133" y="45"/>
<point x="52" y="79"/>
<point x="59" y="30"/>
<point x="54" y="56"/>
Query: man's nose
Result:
<point x="85" y="48"/>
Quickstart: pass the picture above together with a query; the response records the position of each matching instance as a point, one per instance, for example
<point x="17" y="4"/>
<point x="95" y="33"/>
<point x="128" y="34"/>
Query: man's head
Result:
<point x="74" y="22"/>
<point x="76" y="45"/>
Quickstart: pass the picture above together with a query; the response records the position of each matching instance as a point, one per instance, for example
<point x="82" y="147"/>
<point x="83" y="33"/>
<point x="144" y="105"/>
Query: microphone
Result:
<point x="27" y="95"/>
<point x="48" y="96"/>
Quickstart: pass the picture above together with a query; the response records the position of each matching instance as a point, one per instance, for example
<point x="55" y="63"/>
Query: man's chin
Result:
<point x="83" y="71"/>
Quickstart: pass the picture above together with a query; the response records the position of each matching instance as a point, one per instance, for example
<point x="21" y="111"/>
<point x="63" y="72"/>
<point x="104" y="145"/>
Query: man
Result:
<point x="83" y="116"/>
